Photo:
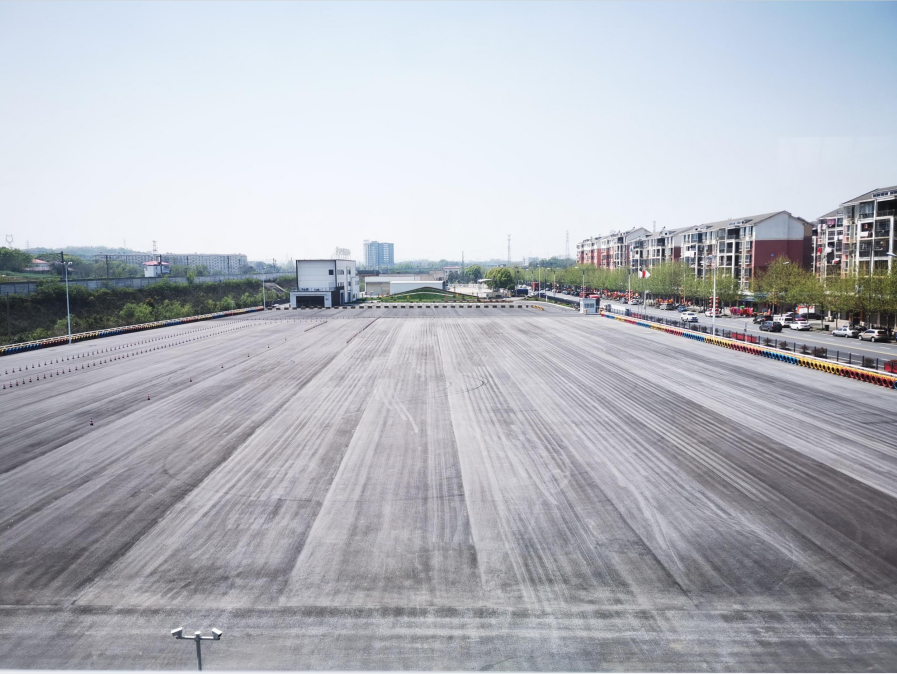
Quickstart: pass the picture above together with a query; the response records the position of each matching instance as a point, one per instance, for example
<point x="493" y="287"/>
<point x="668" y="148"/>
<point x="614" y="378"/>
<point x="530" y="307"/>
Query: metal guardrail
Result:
<point x="776" y="343"/>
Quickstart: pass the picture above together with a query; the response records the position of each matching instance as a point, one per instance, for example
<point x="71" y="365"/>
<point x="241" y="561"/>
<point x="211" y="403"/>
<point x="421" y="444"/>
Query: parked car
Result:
<point x="799" y="324"/>
<point x="811" y="316"/>
<point x="681" y="307"/>
<point x="761" y="318"/>
<point x="846" y="331"/>
<point x="771" y="326"/>
<point x="710" y="312"/>
<point x="688" y="317"/>
<point x="874" y="335"/>
<point x="665" y="307"/>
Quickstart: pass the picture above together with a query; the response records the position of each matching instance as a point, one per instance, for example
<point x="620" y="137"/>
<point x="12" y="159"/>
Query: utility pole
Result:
<point x="509" y="250"/>
<point x="107" y="266"/>
<point x="8" y="331"/>
<point x="68" y="311"/>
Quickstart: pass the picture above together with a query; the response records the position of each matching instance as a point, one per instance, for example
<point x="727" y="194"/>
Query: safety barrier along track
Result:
<point x="860" y="374"/>
<point x="109" y="332"/>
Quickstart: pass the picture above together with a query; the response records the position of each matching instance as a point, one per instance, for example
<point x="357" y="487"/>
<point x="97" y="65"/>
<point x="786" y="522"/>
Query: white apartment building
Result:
<point x="868" y="231"/>
<point x="746" y="245"/>
<point x="654" y="248"/>
<point x="215" y="263"/>
<point x="324" y="283"/>
<point x="610" y="251"/>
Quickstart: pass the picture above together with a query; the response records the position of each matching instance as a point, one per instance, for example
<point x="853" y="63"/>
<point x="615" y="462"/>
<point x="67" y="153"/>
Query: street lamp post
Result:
<point x="198" y="638"/>
<point x="715" y="301"/>
<point x="68" y="311"/>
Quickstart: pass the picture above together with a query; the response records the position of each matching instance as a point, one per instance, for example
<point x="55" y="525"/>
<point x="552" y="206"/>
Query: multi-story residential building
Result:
<point x="654" y="248"/>
<point x="745" y="246"/>
<point x="125" y="258"/>
<point x="829" y="256"/>
<point x="378" y="254"/>
<point x="869" y="234"/>
<point x="610" y="251"/>
<point x="216" y="264"/>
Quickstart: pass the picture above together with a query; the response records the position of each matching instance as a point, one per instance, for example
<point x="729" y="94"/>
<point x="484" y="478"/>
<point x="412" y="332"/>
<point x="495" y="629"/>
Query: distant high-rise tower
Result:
<point x="567" y="247"/>
<point x="378" y="254"/>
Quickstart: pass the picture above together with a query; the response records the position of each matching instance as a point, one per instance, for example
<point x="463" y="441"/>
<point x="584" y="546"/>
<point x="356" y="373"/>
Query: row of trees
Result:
<point x="42" y="314"/>
<point x="781" y="286"/>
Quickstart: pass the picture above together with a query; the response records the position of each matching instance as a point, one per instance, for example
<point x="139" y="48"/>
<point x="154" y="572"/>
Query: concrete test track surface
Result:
<point x="444" y="488"/>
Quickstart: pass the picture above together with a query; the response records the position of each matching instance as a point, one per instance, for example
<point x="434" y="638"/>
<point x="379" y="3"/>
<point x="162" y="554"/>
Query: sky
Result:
<point x="283" y="130"/>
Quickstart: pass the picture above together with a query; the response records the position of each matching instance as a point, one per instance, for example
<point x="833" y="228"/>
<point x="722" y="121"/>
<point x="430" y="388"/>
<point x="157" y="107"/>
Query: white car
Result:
<point x="799" y="325"/>
<point x="846" y="331"/>
<point x="710" y="312"/>
<point x="688" y="317"/>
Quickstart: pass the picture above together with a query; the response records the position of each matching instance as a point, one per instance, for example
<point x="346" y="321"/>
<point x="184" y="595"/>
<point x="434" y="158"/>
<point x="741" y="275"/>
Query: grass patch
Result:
<point x="12" y="276"/>
<point x="428" y="295"/>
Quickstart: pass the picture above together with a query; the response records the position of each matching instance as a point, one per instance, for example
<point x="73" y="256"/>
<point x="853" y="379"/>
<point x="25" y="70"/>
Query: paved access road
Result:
<point x="881" y="350"/>
<point x="444" y="488"/>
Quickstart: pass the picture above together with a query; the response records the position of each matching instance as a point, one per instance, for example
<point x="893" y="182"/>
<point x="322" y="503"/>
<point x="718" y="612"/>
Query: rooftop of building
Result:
<point x="736" y="222"/>
<point x="873" y="194"/>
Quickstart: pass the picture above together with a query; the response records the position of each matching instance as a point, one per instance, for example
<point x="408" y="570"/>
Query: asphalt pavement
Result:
<point x="442" y="488"/>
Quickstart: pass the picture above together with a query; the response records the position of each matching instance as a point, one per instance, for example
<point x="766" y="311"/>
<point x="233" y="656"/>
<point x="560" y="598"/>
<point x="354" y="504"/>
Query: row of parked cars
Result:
<point x="870" y="335"/>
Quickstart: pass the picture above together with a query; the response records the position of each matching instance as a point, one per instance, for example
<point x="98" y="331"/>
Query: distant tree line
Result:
<point x="42" y="313"/>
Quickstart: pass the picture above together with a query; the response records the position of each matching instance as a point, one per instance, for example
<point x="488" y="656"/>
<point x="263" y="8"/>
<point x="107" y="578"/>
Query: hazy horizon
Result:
<point x="287" y="129"/>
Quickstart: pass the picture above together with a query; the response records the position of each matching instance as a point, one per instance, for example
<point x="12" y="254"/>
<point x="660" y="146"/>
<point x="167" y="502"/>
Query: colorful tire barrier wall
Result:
<point x="109" y="332"/>
<point x="861" y="374"/>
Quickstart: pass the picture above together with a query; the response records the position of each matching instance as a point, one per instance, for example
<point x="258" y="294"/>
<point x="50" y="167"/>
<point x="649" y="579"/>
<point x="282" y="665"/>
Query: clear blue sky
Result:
<point x="281" y="128"/>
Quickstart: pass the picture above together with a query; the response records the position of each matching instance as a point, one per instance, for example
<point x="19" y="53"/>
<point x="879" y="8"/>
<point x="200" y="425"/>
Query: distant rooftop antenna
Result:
<point x="154" y="248"/>
<point x="9" y="239"/>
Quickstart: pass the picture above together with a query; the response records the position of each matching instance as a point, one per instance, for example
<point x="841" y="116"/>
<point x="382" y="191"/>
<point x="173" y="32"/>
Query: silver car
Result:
<point x="846" y="331"/>
<point x="874" y="335"/>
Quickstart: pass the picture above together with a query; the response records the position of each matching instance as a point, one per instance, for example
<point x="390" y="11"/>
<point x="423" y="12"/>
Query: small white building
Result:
<point x="588" y="305"/>
<point x="156" y="268"/>
<point x="324" y="283"/>
<point x="38" y="266"/>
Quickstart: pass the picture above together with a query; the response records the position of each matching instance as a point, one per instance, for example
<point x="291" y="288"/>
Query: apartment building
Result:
<point x="378" y="254"/>
<point x="216" y="264"/>
<point x="654" y="248"/>
<point x="829" y="252"/>
<point x="610" y="251"/>
<point x="746" y="245"/>
<point x="869" y="236"/>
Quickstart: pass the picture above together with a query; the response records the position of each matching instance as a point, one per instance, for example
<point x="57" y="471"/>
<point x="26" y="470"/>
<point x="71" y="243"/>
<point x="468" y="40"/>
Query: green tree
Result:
<point x="728" y="288"/>
<point x="776" y="280"/>
<point x="501" y="277"/>
<point x="13" y="259"/>
<point x="473" y="273"/>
